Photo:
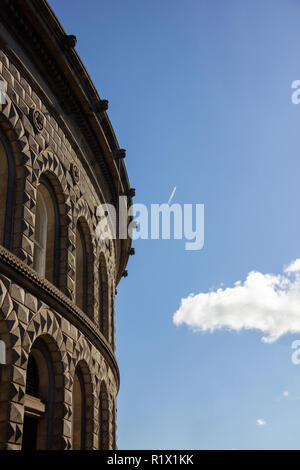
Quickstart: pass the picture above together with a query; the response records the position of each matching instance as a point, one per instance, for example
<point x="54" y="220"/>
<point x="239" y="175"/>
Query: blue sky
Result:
<point x="200" y="96"/>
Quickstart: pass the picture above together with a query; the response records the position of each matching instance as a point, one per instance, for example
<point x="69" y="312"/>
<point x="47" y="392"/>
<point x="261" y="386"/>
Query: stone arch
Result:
<point x="44" y="326"/>
<point x="82" y="209"/>
<point x="84" y="229"/>
<point x="81" y="213"/>
<point x="48" y="168"/>
<point x="60" y="236"/>
<point x="82" y="362"/>
<point x="103" y="297"/>
<point x="104" y="418"/>
<point x="42" y="323"/>
<point x="56" y="409"/>
<point x="47" y="161"/>
<point x="107" y="248"/>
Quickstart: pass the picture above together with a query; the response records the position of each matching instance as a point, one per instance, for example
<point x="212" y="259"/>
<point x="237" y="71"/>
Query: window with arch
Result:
<point x="103" y="418"/>
<point x="82" y="408"/>
<point x="78" y="415"/>
<point x="84" y="268"/>
<point x="7" y="191"/>
<point x="40" y="235"/>
<point x="103" y="298"/>
<point x="81" y="269"/>
<point x="46" y="234"/>
<point x="39" y="399"/>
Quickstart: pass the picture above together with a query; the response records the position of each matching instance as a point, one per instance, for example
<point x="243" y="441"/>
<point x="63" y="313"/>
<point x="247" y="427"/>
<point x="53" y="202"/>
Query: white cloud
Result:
<point x="293" y="267"/>
<point x="285" y="393"/>
<point x="261" y="422"/>
<point x="266" y="302"/>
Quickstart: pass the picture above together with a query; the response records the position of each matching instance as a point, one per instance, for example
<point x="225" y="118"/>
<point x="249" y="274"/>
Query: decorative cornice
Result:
<point x="28" y="278"/>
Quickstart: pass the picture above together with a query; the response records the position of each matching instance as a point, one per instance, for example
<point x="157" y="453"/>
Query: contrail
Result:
<point x="172" y="195"/>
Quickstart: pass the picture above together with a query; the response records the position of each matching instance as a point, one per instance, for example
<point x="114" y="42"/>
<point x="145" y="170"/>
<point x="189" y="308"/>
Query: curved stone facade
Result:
<point x="55" y="133"/>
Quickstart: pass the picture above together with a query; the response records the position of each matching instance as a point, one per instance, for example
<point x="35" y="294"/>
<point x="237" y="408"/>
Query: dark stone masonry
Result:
<point x="60" y="379"/>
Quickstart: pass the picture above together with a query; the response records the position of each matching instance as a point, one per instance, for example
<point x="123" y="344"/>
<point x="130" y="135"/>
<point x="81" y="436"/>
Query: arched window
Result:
<point x="47" y="232"/>
<point x="78" y="416"/>
<point x="103" y="298"/>
<point x="38" y="403"/>
<point x="7" y="192"/>
<point x="40" y="234"/>
<point x="82" y="408"/>
<point x="84" y="268"/>
<point x="81" y="269"/>
<point x="103" y="418"/>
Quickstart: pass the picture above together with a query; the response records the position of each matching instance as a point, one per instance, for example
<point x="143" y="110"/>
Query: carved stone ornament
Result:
<point x="75" y="173"/>
<point x="37" y="119"/>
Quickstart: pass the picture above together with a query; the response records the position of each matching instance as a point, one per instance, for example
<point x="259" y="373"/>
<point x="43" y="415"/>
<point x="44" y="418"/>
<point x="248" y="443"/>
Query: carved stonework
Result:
<point x="75" y="173"/>
<point x="39" y="314"/>
<point x="37" y="120"/>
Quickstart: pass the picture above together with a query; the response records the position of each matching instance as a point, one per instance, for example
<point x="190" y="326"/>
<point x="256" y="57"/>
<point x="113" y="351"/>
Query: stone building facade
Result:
<point x="59" y="159"/>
